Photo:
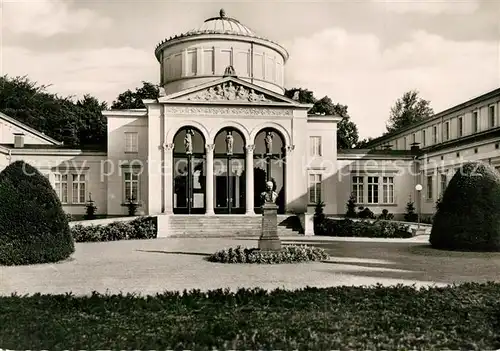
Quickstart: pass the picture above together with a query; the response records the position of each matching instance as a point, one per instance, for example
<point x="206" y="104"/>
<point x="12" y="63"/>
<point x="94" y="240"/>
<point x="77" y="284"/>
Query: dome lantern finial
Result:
<point x="222" y="13"/>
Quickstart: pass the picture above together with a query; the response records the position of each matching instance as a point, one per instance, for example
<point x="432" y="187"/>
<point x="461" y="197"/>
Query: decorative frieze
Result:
<point x="224" y="111"/>
<point x="228" y="91"/>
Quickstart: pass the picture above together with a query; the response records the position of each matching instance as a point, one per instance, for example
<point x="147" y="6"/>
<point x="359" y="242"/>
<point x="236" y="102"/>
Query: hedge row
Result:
<point x="139" y="228"/>
<point x="363" y="228"/>
<point x="288" y="254"/>
<point x="355" y="318"/>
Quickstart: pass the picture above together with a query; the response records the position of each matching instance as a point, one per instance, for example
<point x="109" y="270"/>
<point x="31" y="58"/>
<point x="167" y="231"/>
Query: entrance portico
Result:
<point x="217" y="155"/>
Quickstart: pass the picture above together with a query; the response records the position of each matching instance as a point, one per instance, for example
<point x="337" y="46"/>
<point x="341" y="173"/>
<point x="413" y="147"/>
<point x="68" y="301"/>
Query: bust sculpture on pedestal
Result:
<point x="269" y="196"/>
<point x="269" y="239"/>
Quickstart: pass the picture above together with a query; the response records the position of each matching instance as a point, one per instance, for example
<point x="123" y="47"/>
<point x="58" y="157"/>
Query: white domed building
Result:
<point x="200" y="155"/>
<point x="222" y="127"/>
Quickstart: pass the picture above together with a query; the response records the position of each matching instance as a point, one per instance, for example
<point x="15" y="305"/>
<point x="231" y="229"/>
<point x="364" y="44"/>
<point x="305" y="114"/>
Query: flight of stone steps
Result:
<point x="201" y="226"/>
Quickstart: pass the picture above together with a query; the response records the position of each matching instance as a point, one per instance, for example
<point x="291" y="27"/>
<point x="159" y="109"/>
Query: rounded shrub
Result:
<point x="33" y="225"/>
<point x="467" y="217"/>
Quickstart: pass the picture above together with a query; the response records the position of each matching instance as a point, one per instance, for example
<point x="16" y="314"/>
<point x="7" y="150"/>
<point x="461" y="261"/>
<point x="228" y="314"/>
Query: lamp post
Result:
<point x="418" y="188"/>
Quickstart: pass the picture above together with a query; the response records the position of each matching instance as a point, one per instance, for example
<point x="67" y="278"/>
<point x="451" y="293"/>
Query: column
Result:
<point x="289" y="179"/>
<point x="209" y="179"/>
<point x="249" y="180"/>
<point x="168" y="168"/>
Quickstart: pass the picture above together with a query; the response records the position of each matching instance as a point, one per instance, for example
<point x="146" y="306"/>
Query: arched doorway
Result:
<point x="269" y="164"/>
<point x="229" y="172"/>
<point x="189" y="171"/>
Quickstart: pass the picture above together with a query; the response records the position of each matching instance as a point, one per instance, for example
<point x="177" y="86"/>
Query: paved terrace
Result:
<point x="151" y="266"/>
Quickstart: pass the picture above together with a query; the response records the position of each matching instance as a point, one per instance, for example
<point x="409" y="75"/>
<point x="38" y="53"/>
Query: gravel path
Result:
<point x="151" y="266"/>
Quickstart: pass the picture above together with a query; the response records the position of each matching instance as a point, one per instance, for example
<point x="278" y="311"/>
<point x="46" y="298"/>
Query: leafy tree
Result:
<point x="133" y="99"/>
<point x="407" y="110"/>
<point x="33" y="225"/>
<point x="362" y="143"/>
<point x="347" y="131"/>
<point x="75" y="123"/>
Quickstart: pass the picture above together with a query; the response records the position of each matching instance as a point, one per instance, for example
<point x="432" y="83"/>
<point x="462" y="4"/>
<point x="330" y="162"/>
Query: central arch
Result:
<point x="229" y="171"/>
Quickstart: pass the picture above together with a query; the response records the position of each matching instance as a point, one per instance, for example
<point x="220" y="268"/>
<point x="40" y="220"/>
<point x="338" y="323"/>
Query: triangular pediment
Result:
<point x="230" y="90"/>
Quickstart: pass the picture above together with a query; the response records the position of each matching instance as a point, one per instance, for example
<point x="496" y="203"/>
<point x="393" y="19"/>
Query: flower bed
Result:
<point x="288" y="254"/>
<point x="361" y="228"/>
<point x="139" y="228"/>
<point x="356" y="318"/>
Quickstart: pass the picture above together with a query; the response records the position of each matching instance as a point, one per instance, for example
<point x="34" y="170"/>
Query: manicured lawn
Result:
<point x="460" y="317"/>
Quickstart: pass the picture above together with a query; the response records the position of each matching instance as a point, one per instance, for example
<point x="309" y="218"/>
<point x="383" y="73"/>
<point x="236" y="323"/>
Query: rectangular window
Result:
<point x="447" y="131"/>
<point x="475" y="122"/>
<point x="405" y="146"/>
<point x="444" y="180"/>
<point x="423" y="138"/>
<point x="314" y="188"/>
<point x="460" y="127"/>
<point x="434" y="134"/>
<point x="388" y="190"/>
<point x="61" y="187"/>
<point x="131" y="179"/>
<point x="79" y="188"/>
<point x="357" y="189"/>
<point x="373" y="190"/>
<point x="191" y="62"/>
<point x="413" y="138"/>
<point x="429" y="194"/>
<point x="315" y="145"/>
<point x="492" y="116"/>
<point x="131" y="142"/>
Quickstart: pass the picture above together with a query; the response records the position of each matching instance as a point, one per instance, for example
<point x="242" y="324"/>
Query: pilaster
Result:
<point x="168" y="160"/>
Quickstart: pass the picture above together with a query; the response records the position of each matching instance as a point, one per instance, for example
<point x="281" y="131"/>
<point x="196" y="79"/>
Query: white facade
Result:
<point x="223" y="85"/>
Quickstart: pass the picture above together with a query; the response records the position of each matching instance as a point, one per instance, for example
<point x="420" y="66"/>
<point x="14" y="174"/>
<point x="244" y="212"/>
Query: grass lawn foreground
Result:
<point x="457" y="317"/>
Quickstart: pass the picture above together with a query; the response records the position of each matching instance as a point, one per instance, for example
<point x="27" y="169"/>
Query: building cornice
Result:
<point x="125" y="113"/>
<point x="323" y="119"/>
<point x="55" y="152"/>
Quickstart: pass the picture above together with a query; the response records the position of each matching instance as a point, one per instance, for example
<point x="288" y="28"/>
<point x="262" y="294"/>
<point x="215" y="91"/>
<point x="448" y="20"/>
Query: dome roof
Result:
<point x="222" y="25"/>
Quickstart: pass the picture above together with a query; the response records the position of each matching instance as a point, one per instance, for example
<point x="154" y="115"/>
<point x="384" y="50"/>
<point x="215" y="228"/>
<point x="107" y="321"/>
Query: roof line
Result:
<point x="29" y="129"/>
<point x="438" y="115"/>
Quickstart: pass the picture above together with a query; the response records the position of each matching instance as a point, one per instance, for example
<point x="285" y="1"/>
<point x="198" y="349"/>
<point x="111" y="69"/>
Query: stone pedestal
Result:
<point x="269" y="239"/>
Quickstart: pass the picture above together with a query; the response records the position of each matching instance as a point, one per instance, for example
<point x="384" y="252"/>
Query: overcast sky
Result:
<point x="364" y="54"/>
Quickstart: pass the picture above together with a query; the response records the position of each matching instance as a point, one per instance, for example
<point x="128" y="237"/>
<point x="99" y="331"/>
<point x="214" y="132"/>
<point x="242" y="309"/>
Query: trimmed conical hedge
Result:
<point x="33" y="225"/>
<point x="468" y="216"/>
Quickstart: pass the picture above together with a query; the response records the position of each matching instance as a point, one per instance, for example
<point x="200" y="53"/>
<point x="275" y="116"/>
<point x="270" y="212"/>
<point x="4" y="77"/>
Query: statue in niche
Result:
<point x="269" y="142"/>
<point x="188" y="142"/>
<point x="269" y="196"/>
<point x="242" y="93"/>
<point x="229" y="142"/>
<point x="230" y="91"/>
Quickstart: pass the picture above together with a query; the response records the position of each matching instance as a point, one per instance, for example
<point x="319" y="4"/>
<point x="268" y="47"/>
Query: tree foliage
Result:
<point x="347" y="131"/>
<point x="75" y="123"/>
<point x="133" y="99"/>
<point x="407" y="110"/>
